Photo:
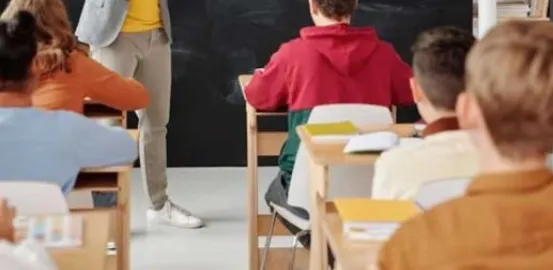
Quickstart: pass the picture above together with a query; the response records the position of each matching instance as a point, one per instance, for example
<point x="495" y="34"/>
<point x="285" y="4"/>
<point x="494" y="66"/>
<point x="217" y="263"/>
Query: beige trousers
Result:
<point x="146" y="56"/>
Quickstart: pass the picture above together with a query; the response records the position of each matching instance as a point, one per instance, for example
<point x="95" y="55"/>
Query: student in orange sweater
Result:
<point x="505" y="219"/>
<point x="66" y="75"/>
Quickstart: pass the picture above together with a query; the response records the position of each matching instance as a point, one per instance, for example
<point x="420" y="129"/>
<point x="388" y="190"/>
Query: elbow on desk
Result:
<point x="137" y="98"/>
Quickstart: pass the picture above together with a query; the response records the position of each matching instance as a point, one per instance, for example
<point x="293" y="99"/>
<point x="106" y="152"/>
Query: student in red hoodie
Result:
<point x="331" y="62"/>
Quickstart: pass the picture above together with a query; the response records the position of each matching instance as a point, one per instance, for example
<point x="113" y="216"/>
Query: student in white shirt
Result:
<point x="445" y="152"/>
<point x="49" y="146"/>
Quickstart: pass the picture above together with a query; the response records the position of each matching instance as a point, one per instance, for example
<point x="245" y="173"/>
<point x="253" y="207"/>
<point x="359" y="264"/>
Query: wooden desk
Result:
<point x="322" y="156"/>
<point x="92" y="254"/>
<point x="349" y="255"/>
<point x="113" y="179"/>
<point x="99" y="111"/>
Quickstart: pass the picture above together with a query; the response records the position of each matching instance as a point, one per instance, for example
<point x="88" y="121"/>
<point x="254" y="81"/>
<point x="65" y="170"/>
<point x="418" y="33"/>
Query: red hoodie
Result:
<point x="331" y="64"/>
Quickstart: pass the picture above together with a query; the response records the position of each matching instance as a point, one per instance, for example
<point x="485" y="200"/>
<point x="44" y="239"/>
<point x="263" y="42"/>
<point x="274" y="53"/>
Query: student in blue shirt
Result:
<point x="48" y="146"/>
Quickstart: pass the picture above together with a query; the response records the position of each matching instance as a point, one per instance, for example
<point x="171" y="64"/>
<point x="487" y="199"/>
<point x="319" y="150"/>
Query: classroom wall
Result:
<point x="216" y="40"/>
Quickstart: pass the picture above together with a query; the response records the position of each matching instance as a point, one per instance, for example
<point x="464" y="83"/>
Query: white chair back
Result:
<point x="436" y="192"/>
<point x="345" y="181"/>
<point x="34" y="198"/>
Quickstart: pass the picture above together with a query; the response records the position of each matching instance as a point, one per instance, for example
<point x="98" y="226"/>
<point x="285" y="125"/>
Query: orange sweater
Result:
<point x="88" y="78"/>
<point x="505" y="221"/>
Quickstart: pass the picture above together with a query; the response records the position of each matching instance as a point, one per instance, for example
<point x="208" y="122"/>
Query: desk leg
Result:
<point x="123" y="220"/>
<point x="318" y="185"/>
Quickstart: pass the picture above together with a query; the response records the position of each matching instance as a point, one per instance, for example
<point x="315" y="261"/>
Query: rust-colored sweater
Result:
<point x="505" y="221"/>
<point x="88" y="78"/>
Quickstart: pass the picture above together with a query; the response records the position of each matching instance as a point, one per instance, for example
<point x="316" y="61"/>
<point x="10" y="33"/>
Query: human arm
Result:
<point x="401" y="90"/>
<point x="267" y="89"/>
<point x="110" y="88"/>
<point x="96" y="145"/>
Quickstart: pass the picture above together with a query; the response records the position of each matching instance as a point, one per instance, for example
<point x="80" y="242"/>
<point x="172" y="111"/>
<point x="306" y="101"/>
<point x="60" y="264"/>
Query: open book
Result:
<point x="376" y="142"/>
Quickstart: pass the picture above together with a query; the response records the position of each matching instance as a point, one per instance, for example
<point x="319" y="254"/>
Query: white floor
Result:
<point x="216" y="194"/>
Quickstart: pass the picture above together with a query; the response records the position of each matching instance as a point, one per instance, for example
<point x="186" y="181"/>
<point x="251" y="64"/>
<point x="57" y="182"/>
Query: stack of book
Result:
<point x="375" y="220"/>
<point x="339" y="132"/>
<point x="513" y="9"/>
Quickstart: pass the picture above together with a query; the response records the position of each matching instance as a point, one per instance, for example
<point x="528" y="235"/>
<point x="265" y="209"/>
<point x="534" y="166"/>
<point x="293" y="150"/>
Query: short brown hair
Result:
<point x="54" y="34"/>
<point x="439" y="57"/>
<point x="510" y="74"/>
<point x="336" y="9"/>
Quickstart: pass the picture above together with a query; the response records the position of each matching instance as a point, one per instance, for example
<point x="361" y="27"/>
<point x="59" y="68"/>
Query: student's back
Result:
<point x="332" y="64"/>
<point x="37" y="145"/>
<point x="439" y="57"/>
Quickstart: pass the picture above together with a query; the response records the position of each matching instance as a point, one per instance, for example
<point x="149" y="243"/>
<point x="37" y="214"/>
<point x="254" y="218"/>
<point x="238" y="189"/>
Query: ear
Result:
<point x="468" y="112"/>
<point x="313" y="8"/>
<point x="416" y="90"/>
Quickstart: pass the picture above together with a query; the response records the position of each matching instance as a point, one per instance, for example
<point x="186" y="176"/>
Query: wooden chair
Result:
<point x="104" y="114"/>
<point x="113" y="179"/>
<point x="259" y="144"/>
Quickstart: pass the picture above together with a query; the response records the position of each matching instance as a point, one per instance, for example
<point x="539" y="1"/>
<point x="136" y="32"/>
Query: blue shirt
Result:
<point x="53" y="146"/>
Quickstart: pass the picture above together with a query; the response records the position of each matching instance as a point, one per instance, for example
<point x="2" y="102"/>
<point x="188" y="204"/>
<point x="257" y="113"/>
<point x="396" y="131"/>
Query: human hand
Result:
<point x="7" y="215"/>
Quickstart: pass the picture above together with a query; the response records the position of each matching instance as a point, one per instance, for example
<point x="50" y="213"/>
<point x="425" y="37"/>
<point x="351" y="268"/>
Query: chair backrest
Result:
<point x="436" y="192"/>
<point x="34" y="198"/>
<point x="345" y="181"/>
<point x="358" y="114"/>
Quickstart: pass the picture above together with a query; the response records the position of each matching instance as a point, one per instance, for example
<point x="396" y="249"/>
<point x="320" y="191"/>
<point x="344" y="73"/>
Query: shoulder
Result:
<point x="288" y="48"/>
<point x="437" y="232"/>
<point x="401" y="153"/>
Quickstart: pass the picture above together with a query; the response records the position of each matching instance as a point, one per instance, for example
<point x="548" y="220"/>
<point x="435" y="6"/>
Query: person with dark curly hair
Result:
<point x="331" y="62"/>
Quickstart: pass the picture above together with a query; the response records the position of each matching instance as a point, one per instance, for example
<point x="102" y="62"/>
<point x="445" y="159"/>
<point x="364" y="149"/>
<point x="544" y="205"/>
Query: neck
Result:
<point x="11" y="99"/>
<point x="323" y="21"/>
<point x="435" y="115"/>
<point x="491" y="161"/>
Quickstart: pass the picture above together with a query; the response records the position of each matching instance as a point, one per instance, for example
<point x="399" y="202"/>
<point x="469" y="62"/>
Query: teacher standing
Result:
<point x="133" y="37"/>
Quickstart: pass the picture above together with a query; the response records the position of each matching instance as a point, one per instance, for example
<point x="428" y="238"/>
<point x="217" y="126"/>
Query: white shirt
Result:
<point x="400" y="172"/>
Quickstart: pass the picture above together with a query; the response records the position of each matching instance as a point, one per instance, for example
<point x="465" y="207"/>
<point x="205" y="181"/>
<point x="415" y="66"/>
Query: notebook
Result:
<point x="338" y="132"/>
<point x="376" y="142"/>
<point x="377" y="220"/>
<point x="51" y="231"/>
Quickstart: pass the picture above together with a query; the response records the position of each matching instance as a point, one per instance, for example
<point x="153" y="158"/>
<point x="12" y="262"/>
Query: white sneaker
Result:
<point x="174" y="215"/>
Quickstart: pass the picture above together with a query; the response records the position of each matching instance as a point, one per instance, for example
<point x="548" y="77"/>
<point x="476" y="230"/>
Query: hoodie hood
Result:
<point x="346" y="48"/>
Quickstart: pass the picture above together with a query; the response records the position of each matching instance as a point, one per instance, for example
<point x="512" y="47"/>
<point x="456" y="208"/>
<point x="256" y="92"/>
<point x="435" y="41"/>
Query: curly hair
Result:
<point x="53" y="32"/>
<point x="336" y="9"/>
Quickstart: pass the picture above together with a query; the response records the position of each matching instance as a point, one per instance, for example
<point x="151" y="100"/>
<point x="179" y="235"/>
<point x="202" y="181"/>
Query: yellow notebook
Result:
<point x="332" y="132"/>
<point x="368" y="219"/>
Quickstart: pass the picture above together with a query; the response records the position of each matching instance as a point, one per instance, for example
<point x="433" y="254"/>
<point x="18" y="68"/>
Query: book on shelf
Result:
<point x="377" y="220"/>
<point x="337" y="132"/>
<point x="63" y="231"/>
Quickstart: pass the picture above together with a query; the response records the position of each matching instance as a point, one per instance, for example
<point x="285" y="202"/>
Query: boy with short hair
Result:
<point x="505" y="219"/>
<point x="331" y="62"/>
<point x="439" y="57"/>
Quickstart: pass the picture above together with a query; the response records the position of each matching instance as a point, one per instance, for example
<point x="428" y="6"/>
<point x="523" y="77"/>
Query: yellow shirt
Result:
<point x="143" y="15"/>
